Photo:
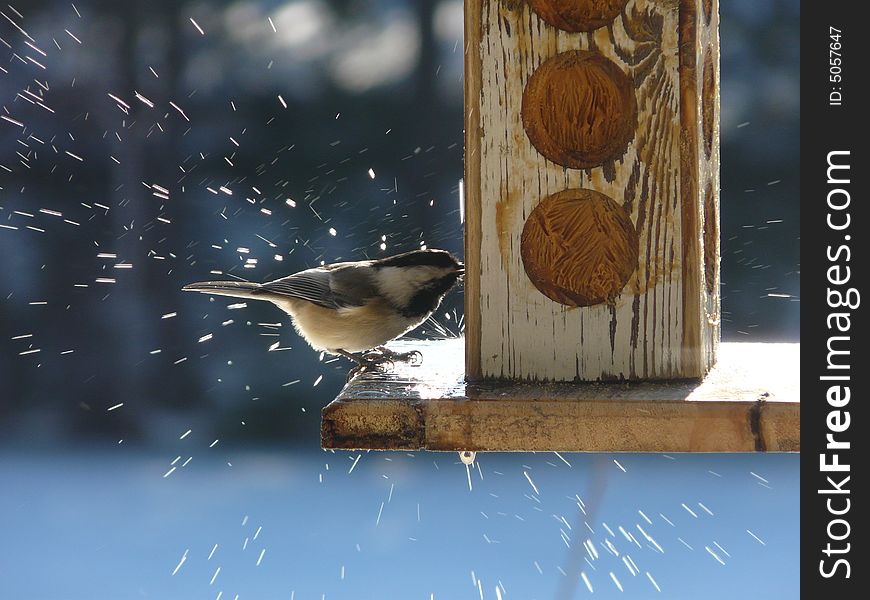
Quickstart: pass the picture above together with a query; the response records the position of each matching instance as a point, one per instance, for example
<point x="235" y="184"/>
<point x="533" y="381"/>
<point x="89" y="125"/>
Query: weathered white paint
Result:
<point x="524" y="334"/>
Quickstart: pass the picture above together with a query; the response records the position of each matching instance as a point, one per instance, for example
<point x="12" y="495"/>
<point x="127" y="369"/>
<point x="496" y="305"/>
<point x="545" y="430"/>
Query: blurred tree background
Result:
<point x="145" y="145"/>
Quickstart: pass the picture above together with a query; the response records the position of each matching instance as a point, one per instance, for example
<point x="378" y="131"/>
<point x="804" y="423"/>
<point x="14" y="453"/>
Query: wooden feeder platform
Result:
<point x="749" y="402"/>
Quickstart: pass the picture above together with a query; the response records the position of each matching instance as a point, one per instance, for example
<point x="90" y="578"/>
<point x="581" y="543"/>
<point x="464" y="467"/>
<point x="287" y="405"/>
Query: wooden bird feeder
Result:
<point x="591" y="251"/>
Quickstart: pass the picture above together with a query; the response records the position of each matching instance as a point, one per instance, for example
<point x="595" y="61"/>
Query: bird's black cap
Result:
<point x="422" y="258"/>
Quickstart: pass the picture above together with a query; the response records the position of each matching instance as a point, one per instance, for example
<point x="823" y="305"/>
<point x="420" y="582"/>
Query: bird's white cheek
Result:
<point x="400" y="284"/>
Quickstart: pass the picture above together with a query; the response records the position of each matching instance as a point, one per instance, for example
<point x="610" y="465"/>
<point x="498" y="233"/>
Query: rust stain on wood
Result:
<point x="579" y="247"/>
<point x="661" y="269"/>
<point x="578" y="15"/>
<point x="503" y="213"/>
<point x="755" y="416"/>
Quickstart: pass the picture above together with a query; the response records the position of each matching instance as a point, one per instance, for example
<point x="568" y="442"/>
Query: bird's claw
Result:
<point x="382" y="359"/>
<point x="414" y="357"/>
<point x="370" y="362"/>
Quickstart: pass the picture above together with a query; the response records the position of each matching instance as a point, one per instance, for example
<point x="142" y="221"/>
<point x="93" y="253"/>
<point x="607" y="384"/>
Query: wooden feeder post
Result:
<point x="592" y="252"/>
<point x="591" y="189"/>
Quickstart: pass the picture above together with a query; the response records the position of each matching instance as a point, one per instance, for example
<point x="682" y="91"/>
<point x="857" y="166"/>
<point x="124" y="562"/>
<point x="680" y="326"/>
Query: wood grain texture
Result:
<point x="579" y="247"/>
<point x="749" y="402"/>
<point x="577" y="15"/>
<point x="642" y="334"/>
<point x="471" y="189"/>
<point x="708" y="109"/>
<point x="690" y="170"/>
<point x="699" y="149"/>
<point x="709" y="181"/>
<point x="711" y="241"/>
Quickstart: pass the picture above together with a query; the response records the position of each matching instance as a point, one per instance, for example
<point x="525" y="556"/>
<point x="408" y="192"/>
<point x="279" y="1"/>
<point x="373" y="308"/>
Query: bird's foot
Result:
<point x="370" y="365"/>
<point x="414" y="357"/>
<point x="379" y="359"/>
<point x="367" y="363"/>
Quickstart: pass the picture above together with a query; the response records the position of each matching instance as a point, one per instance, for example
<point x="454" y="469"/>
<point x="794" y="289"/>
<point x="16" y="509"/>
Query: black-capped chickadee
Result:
<point x="359" y="306"/>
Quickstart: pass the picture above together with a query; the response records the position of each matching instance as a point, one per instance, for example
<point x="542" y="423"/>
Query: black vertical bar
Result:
<point x="834" y="171"/>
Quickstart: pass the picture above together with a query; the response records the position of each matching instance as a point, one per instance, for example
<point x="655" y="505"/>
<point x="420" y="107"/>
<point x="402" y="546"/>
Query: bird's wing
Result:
<point x="327" y="287"/>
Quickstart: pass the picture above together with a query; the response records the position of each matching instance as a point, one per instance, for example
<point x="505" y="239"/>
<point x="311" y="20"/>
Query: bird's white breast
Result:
<point x="353" y="329"/>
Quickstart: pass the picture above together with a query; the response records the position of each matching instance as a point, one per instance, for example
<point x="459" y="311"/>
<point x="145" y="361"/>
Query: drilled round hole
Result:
<point x="579" y="247"/>
<point x="579" y="109"/>
<point x="578" y="15"/>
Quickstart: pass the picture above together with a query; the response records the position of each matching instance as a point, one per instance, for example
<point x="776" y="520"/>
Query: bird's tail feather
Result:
<point x="237" y="289"/>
